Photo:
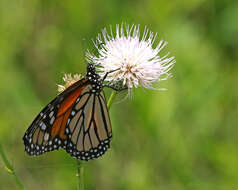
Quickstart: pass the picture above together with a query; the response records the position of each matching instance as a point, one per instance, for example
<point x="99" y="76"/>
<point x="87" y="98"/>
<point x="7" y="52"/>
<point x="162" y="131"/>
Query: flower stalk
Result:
<point x="111" y="99"/>
<point x="80" y="175"/>
<point x="9" y="168"/>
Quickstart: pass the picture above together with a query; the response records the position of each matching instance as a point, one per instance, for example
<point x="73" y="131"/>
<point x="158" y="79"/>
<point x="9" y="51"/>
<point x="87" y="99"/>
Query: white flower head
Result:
<point x="69" y="80"/>
<point x="133" y="57"/>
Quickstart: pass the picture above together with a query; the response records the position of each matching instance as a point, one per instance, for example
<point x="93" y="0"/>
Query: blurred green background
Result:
<point x="185" y="138"/>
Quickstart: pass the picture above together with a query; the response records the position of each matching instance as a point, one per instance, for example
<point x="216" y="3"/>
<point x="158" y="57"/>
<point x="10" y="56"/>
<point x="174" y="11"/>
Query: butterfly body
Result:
<point x="77" y="120"/>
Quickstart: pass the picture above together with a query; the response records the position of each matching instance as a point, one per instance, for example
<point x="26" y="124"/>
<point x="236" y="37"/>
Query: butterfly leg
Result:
<point x="116" y="88"/>
<point x="105" y="76"/>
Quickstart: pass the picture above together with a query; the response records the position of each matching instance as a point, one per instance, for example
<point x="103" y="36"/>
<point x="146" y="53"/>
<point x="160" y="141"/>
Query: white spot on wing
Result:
<point x="51" y="114"/>
<point x="52" y="120"/>
<point x="67" y="130"/>
<point x="43" y="126"/>
<point x="73" y="113"/>
<point x="46" y="137"/>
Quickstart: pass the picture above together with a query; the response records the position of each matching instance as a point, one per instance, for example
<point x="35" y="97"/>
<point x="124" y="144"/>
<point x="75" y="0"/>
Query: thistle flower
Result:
<point x="69" y="80"/>
<point x="138" y="63"/>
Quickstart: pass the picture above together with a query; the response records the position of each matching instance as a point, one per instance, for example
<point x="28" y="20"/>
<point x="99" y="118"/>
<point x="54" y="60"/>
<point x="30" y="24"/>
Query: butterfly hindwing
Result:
<point x="88" y="129"/>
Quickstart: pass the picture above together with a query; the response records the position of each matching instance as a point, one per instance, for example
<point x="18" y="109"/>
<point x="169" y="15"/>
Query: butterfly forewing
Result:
<point x="38" y="135"/>
<point x="46" y="132"/>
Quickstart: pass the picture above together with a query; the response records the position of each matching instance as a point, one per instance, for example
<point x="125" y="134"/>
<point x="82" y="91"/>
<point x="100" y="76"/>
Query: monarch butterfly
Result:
<point x="77" y="120"/>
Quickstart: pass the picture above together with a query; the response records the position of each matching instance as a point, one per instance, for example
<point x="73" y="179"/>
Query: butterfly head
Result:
<point x="91" y="69"/>
<point x="91" y="72"/>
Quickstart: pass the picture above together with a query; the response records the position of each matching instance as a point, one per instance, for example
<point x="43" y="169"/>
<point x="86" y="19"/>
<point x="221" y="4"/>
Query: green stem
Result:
<point x="9" y="168"/>
<point x="80" y="175"/>
<point x="111" y="99"/>
<point x="79" y="165"/>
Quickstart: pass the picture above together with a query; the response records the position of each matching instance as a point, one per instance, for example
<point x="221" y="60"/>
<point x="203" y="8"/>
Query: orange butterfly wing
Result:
<point x="51" y="122"/>
<point x="64" y="112"/>
<point x="76" y="120"/>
